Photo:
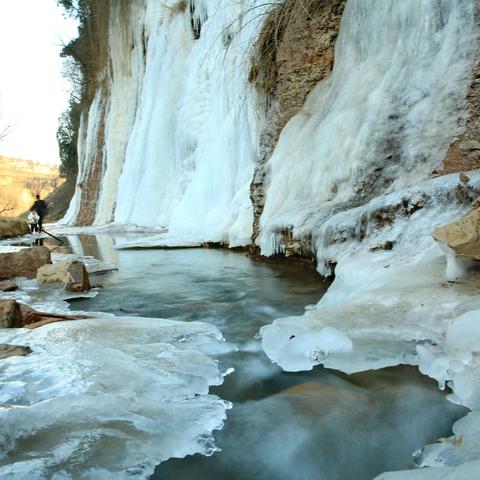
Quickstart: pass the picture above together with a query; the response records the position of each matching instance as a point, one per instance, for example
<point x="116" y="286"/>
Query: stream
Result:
<point x="298" y="426"/>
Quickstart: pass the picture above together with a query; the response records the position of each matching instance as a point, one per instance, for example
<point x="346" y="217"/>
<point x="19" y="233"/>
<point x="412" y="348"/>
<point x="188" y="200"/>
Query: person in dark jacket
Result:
<point x="40" y="207"/>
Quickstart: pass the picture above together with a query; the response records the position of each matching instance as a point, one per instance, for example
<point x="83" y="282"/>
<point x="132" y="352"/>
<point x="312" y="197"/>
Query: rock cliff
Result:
<point x="187" y="104"/>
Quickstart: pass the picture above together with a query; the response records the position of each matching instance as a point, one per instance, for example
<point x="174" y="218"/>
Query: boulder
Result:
<point x="469" y="145"/>
<point x="72" y="274"/>
<point x="18" y="315"/>
<point x="7" y="350"/>
<point x="10" y="314"/>
<point x="461" y="237"/>
<point x="23" y="263"/>
<point x="8" y="287"/>
<point x="13" y="227"/>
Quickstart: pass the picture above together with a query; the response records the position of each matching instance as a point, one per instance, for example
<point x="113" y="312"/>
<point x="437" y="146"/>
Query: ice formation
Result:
<point x="180" y="124"/>
<point x="381" y="122"/>
<point x="81" y="419"/>
<point x="351" y="174"/>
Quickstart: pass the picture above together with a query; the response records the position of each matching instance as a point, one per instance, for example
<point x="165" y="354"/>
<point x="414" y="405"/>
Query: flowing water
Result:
<point x="310" y="425"/>
<point x="295" y="426"/>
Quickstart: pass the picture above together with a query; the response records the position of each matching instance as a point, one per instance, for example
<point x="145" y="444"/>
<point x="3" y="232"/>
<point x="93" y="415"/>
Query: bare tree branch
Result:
<point x="4" y="131"/>
<point x="7" y="205"/>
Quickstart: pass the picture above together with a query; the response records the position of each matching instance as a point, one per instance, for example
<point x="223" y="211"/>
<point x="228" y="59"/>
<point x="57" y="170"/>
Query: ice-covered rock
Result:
<point x="380" y="123"/>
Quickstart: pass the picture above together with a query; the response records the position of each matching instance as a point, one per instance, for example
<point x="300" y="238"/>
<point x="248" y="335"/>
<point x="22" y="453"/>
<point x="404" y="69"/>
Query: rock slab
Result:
<point x="18" y="315"/>
<point x="7" y="350"/>
<point x="462" y="237"/>
<point x="72" y="274"/>
<point x="23" y="263"/>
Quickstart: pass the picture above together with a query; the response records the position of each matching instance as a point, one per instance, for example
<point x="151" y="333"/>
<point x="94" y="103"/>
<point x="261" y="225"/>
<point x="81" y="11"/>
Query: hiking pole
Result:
<point x="53" y="236"/>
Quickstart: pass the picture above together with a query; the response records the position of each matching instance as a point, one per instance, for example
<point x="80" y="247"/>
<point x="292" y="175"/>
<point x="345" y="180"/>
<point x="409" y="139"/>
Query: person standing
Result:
<point x="33" y="220"/>
<point x="40" y="206"/>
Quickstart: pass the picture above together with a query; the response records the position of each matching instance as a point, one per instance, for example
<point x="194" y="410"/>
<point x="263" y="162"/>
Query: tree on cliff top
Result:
<point x="75" y="8"/>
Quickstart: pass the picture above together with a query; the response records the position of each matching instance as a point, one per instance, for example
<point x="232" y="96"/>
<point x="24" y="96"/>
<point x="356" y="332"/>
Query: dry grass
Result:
<point x="264" y="67"/>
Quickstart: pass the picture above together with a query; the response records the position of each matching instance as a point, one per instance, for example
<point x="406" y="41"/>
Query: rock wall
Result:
<point x="200" y="116"/>
<point x="381" y="122"/>
<point x="295" y="50"/>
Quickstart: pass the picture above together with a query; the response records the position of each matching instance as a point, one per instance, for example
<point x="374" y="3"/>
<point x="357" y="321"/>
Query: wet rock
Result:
<point x="13" y="227"/>
<point x="34" y="319"/>
<point x="72" y="274"/>
<point x="79" y="281"/>
<point x="461" y="237"/>
<point x="10" y="314"/>
<point x="23" y="263"/>
<point x="18" y="315"/>
<point x="8" y="287"/>
<point x="388" y="245"/>
<point x="469" y="145"/>
<point x="7" y="350"/>
<point x="463" y="178"/>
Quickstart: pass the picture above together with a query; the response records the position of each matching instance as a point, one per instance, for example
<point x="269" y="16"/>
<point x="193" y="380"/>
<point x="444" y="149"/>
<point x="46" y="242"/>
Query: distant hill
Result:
<point x="20" y="180"/>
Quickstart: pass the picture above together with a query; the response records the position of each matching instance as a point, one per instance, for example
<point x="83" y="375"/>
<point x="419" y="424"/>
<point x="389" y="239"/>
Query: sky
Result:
<point x="33" y="92"/>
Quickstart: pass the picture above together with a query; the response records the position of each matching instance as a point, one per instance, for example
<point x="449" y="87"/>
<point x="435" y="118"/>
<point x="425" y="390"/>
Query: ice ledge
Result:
<point x="394" y="306"/>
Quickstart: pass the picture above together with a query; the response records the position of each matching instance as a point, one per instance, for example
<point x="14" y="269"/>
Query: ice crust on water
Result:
<point x="163" y="240"/>
<point x="386" y="299"/>
<point x="108" y="398"/>
<point x="397" y="307"/>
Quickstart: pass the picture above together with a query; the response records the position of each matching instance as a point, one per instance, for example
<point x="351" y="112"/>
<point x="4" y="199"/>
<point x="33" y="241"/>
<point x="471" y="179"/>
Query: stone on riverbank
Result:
<point x="72" y="274"/>
<point x="7" y="350"/>
<point x="462" y="237"/>
<point x="18" y="315"/>
<point x="8" y="287"/>
<point x="23" y="263"/>
<point x="13" y="227"/>
<point x="10" y="314"/>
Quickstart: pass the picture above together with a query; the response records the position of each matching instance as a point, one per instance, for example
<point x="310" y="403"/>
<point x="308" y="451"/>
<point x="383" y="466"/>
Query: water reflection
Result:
<point x="228" y="289"/>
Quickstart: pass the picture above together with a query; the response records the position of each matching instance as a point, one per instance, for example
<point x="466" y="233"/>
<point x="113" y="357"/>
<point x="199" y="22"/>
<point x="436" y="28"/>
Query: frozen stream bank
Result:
<point x="306" y="425"/>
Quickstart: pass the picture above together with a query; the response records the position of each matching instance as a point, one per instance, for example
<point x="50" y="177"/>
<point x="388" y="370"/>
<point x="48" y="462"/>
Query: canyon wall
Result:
<point x="249" y="123"/>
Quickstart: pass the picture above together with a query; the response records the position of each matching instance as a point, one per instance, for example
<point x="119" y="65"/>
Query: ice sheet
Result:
<point x="107" y="398"/>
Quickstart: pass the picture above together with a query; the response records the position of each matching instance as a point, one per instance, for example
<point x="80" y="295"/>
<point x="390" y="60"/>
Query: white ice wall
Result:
<point x="182" y="128"/>
<point x="180" y="142"/>
<point x="389" y="109"/>
<point x="126" y="31"/>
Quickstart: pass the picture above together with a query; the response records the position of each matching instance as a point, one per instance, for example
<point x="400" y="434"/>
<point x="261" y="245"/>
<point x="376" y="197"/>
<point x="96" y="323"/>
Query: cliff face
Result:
<point x="293" y="52"/>
<point x="21" y="180"/>
<point x="225" y="123"/>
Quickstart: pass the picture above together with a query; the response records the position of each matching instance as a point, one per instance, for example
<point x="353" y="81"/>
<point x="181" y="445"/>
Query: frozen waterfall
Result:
<point x="180" y="123"/>
<point x="381" y="122"/>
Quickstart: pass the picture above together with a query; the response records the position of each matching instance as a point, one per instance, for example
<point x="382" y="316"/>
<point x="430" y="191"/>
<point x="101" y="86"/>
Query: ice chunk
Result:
<point x="301" y="349"/>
